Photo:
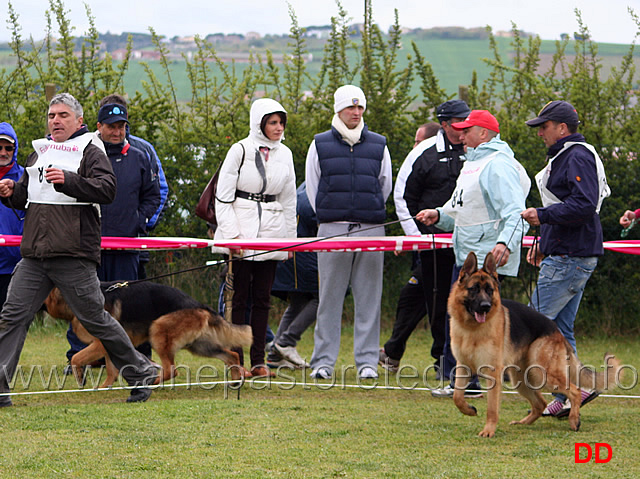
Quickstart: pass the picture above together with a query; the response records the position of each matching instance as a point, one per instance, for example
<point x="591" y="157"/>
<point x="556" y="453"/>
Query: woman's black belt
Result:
<point x="255" y="196"/>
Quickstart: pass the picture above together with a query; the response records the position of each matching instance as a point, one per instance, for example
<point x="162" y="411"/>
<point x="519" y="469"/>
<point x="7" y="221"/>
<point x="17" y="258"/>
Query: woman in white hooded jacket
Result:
<point x="256" y="198"/>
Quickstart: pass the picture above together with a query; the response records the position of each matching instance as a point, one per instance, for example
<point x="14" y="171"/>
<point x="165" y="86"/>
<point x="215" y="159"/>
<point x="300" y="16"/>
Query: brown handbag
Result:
<point x="206" y="207"/>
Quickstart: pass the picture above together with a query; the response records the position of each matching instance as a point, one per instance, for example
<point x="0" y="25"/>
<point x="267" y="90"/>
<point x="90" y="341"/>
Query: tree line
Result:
<point x="192" y="137"/>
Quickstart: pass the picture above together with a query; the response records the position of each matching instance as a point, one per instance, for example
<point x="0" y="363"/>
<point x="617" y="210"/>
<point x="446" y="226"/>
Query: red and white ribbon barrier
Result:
<point x="341" y="244"/>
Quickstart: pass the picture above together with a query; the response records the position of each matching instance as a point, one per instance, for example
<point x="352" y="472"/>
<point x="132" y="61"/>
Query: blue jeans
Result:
<point x="559" y="290"/>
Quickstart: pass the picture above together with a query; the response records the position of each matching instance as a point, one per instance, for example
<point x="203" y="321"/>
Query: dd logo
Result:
<point x="598" y="447"/>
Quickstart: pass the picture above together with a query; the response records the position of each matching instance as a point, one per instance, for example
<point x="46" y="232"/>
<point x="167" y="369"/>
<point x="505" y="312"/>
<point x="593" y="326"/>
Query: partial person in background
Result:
<point x="137" y="196"/>
<point x="348" y="176"/>
<point x="256" y="198"/>
<point x="156" y="166"/>
<point x="11" y="220"/>
<point x="427" y="182"/>
<point x="412" y="306"/>
<point x="296" y="282"/>
<point x="628" y="217"/>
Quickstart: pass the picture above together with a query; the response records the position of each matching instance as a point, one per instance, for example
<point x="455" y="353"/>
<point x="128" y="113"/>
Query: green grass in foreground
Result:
<point x="292" y="432"/>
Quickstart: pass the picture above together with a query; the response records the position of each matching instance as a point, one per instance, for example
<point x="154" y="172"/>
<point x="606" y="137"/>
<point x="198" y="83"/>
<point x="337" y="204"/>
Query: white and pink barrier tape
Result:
<point x="360" y="243"/>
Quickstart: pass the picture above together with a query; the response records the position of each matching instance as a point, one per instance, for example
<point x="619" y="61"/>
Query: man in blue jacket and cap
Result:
<point x="572" y="187"/>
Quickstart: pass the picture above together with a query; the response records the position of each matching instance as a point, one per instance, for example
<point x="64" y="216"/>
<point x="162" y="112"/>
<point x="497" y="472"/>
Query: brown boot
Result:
<point x="262" y="371"/>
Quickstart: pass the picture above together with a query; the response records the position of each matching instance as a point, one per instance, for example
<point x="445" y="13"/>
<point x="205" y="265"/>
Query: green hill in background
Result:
<point x="454" y="55"/>
<point x="453" y="60"/>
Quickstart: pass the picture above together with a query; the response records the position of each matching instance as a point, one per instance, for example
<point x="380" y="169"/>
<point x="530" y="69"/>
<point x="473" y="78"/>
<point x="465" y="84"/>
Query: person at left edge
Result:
<point x="10" y="220"/>
<point x="65" y="180"/>
<point x="256" y="198"/>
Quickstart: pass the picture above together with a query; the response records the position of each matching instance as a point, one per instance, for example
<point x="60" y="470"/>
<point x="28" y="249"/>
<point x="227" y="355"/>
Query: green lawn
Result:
<point x="282" y="430"/>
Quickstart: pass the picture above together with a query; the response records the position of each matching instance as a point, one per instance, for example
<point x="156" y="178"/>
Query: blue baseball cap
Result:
<point x="557" y="110"/>
<point x="112" y="112"/>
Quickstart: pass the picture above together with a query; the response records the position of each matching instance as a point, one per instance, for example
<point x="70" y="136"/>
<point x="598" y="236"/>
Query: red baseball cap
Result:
<point x="478" y="118"/>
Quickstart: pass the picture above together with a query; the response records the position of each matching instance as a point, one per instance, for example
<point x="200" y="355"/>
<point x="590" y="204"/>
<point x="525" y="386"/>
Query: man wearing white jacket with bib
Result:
<point x="484" y="209"/>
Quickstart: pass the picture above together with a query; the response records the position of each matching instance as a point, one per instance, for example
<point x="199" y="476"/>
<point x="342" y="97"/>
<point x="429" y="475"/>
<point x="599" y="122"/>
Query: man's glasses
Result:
<point x="8" y="149"/>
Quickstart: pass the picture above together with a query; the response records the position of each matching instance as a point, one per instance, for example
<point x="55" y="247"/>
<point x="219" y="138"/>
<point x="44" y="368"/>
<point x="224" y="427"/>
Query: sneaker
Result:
<point x="447" y="392"/>
<point x="367" y="372"/>
<point x="269" y="346"/>
<point x="281" y="363"/>
<point x="555" y="406"/>
<point x="291" y="354"/>
<point x="586" y="397"/>
<point x="391" y="365"/>
<point x="321" y="373"/>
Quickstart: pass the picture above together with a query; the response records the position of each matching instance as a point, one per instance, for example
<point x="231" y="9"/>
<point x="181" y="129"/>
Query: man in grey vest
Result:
<point x="348" y="175"/>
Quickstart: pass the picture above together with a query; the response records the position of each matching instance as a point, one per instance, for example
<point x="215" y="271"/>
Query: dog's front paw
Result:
<point x="487" y="432"/>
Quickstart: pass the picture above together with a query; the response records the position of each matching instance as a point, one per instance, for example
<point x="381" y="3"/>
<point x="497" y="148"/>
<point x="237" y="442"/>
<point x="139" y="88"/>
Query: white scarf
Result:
<point x="351" y="136"/>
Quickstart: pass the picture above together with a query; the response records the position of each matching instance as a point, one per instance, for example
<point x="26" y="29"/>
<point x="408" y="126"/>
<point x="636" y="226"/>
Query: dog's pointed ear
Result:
<point x="470" y="266"/>
<point x="489" y="265"/>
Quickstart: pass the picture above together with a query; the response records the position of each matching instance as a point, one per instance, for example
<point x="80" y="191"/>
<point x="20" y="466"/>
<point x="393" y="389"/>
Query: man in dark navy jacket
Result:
<point x="572" y="187"/>
<point x="348" y="177"/>
<point x="137" y="196"/>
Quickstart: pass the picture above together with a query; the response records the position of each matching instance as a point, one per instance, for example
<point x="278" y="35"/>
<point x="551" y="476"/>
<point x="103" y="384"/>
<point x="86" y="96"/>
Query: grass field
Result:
<point x="280" y="430"/>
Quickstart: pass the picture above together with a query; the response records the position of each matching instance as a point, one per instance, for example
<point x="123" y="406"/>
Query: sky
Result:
<point x="608" y="20"/>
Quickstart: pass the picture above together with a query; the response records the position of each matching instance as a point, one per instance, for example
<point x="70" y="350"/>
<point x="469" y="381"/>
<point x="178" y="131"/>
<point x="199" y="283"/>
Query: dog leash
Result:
<point x="124" y="284"/>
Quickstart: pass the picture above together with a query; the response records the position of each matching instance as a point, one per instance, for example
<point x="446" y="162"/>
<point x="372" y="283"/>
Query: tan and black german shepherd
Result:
<point x="166" y="317"/>
<point x="490" y="336"/>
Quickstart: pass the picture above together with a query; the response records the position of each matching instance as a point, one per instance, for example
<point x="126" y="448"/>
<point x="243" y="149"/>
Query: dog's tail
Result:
<point x="231" y="335"/>
<point x="587" y="378"/>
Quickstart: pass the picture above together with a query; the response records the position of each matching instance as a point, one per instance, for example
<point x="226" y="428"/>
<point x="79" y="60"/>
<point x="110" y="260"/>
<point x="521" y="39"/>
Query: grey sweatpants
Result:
<point x="363" y="270"/>
<point x="78" y="281"/>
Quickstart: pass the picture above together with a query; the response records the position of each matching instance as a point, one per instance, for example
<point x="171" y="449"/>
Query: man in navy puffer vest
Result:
<point x="348" y="175"/>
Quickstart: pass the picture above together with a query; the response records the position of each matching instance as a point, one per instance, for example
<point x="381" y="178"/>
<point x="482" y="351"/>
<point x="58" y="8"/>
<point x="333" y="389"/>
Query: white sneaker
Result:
<point x="321" y="373"/>
<point x="290" y="353"/>
<point x="281" y="363"/>
<point x="367" y="372"/>
<point x="447" y="392"/>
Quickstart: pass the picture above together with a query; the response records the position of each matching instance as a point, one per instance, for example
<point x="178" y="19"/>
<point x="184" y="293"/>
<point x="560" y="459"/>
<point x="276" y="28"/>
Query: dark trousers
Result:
<point x="436" y="282"/>
<point x="253" y="278"/>
<point x="5" y="279"/>
<point x="417" y="299"/>
<point x="410" y="310"/>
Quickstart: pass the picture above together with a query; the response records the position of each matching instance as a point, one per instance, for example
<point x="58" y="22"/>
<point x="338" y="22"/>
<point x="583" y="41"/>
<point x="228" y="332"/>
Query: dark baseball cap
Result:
<point x="112" y="112"/>
<point x="557" y="110"/>
<point x="452" y="109"/>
